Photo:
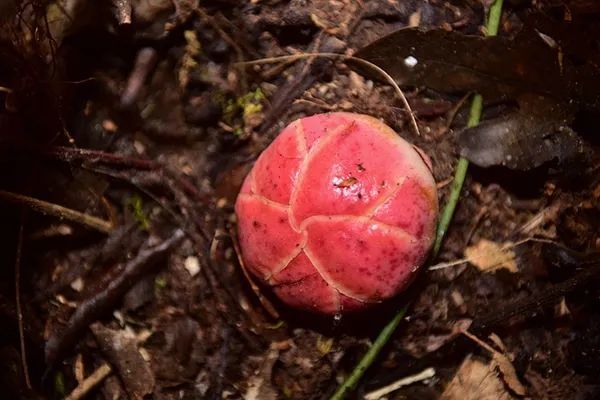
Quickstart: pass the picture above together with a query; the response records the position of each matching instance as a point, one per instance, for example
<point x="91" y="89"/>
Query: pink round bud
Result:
<point x="337" y="213"/>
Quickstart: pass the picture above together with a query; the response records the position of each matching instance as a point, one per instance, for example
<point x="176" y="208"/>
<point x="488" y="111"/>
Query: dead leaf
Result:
<point x="490" y="256"/>
<point x="435" y="342"/>
<point x="451" y="62"/>
<point x="496" y="67"/>
<point x="476" y="380"/>
<point x="501" y="361"/>
<point x="324" y="344"/>
<point x="526" y="138"/>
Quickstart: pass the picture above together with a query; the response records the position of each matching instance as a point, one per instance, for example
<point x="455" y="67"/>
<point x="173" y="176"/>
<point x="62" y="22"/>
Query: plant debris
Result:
<point x="496" y="67"/>
<point x="476" y="379"/>
<point x="147" y="114"/>
<point x="489" y="256"/>
<point x="121" y="348"/>
<point x="93" y="308"/>
<point x="538" y="132"/>
<point x="502" y="363"/>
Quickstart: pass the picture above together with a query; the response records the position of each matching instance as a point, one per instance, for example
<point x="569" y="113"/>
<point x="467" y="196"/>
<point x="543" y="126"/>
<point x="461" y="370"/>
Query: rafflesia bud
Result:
<point x="337" y="213"/>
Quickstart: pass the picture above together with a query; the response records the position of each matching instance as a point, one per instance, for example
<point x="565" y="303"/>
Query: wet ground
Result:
<point x="157" y="302"/>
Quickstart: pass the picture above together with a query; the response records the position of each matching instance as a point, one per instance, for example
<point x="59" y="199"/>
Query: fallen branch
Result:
<point x="70" y="154"/>
<point x="94" y="307"/>
<point x="121" y="349"/>
<point x="90" y="382"/>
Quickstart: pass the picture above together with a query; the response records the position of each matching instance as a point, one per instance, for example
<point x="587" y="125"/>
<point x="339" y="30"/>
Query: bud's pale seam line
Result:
<point x="314" y="150"/>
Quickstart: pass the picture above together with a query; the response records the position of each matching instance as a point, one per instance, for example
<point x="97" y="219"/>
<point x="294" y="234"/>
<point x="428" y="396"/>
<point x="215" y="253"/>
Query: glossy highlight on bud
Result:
<point x="337" y="213"/>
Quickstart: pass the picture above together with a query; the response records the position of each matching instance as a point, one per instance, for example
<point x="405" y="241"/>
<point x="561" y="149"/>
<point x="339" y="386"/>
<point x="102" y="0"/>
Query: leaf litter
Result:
<point x="490" y="256"/>
<point x="497" y="67"/>
<point x="189" y="311"/>
<point x="549" y="70"/>
<point x="536" y="133"/>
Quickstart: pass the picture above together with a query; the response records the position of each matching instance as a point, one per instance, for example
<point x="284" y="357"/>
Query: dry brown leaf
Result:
<point x="476" y="380"/>
<point x="490" y="256"/>
<point x="509" y="374"/>
<point x="434" y="342"/>
<point x="502" y="362"/>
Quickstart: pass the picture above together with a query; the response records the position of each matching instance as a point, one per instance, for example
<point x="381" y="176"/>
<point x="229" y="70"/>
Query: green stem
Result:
<point x="493" y="22"/>
<point x="370" y="355"/>
<point x="457" y="183"/>
<point x="459" y="179"/>
<point x="460" y="173"/>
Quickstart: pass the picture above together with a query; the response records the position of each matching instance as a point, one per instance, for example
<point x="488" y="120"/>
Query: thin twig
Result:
<point x="18" y="301"/>
<point x="145" y="62"/>
<point x="478" y="218"/>
<point x="388" y="330"/>
<point x="451" y="116"/>
<point x="58" y="211"/>
<point x="506" y="247"/>
<point x="362" y="61"/>
<point x="98" y="156"/>
<point x="90" y="382"/>
<point x="427" y="373"/>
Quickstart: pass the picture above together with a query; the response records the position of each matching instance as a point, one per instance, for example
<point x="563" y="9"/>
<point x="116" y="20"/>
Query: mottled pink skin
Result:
<point x="338" y="213"/>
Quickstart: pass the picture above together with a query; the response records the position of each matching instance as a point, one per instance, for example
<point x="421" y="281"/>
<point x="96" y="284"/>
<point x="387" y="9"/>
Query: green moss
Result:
<point x="246" y="105"/>
<point x="251" y="102"/>
<point x="135" y="204"/>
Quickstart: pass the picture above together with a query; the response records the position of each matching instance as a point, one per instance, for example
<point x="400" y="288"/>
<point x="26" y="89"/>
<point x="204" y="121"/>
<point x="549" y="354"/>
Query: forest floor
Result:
<point x="148" y="294"/>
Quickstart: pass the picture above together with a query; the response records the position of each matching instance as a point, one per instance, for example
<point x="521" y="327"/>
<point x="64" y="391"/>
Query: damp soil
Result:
<point x="175" y="122"/>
